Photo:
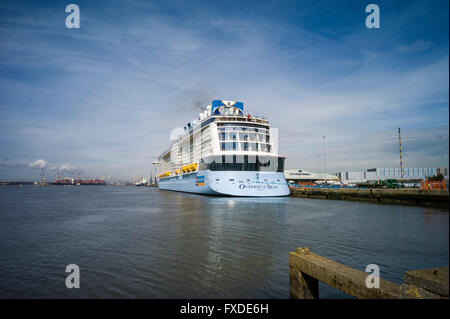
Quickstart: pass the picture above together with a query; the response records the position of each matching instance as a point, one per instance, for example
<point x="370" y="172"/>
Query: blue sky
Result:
<point x="104" y="98"/>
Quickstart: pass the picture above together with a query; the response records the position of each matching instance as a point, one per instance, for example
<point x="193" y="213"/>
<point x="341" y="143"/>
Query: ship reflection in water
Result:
<point x="146" y="243"/>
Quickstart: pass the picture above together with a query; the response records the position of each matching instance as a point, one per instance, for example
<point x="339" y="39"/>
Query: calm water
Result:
<point x="132" y="242"/>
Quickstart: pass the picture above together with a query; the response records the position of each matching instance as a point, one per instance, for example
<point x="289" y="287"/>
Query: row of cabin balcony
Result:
<point x="244" y="137"/>
<point x="245" y="146"/>
<point x="228" y="118"/>
<point x="243" y="129"/>
<point x="260" y="120"/>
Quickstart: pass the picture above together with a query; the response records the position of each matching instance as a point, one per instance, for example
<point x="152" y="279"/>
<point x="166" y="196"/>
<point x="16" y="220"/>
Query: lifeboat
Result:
<point x="187" y="168"/>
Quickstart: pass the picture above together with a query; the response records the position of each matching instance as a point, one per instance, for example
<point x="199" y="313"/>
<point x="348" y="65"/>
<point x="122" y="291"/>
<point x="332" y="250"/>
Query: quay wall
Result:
<point x="402" y="196"/>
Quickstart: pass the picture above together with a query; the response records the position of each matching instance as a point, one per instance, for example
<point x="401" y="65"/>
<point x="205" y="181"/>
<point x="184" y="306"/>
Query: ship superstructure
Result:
<point x="224" y="152"/>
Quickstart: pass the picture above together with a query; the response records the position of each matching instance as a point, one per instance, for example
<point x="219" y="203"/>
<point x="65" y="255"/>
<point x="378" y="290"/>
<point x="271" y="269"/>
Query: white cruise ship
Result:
<point x="224" y="152"/>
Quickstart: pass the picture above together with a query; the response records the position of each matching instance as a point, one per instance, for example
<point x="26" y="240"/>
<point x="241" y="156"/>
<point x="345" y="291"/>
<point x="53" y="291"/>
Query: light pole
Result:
<point x="324" y="161"/>
<point x="154" y="170"/>
<point x="401" y="160"/>
<point x="318" y="164"/>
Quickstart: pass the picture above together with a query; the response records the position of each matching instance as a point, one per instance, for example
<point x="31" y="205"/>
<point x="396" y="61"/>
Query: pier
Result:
<point x="307" y="269"/>
<point x="402" y="196"/>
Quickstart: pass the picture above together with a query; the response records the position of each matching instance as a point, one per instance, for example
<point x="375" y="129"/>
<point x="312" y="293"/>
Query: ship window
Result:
<point x="242" y="125"/>
<point x="228" y="146"/>
<point x="250" y="163"/>
<point x="265" y="148"/>
<point x="253" y="147"/>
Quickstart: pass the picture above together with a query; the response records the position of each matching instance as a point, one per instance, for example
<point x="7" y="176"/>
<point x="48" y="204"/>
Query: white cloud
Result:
<point x="419" y="45"/>
<point x="40" y="163"/>
<point x="67" y="168"/>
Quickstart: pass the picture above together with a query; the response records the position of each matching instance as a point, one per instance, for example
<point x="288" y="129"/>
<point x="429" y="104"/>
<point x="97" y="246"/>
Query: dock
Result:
<point x="402" y="196"/>
<point x="306" y="269"/>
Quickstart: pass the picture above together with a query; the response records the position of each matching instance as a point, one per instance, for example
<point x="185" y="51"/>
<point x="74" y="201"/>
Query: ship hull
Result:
<point x="228" y="183"/>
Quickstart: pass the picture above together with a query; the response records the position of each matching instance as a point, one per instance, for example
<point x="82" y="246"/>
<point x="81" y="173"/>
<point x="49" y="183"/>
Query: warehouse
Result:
<point x="299" y="176"/>
<point x="375" y="174"/>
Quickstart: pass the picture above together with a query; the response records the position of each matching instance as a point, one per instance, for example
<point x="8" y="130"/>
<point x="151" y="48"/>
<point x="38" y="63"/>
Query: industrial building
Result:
<point x="299" y="176"/>
<point x="375" y="174"/>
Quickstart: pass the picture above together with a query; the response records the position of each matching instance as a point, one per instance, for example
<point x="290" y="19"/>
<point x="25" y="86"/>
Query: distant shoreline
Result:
<point x="14" y="183"/>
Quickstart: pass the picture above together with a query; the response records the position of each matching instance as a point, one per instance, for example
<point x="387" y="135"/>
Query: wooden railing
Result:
<point x="307" y="269"/>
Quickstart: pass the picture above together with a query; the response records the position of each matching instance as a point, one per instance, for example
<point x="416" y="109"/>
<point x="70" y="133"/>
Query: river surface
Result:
<point x="139" y="242"/>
